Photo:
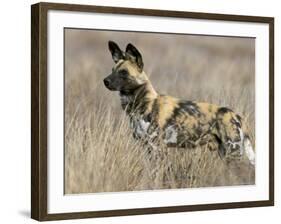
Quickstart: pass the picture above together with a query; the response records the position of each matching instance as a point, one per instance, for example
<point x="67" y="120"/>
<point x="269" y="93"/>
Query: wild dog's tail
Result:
<point x="248" y="149"/>
<point x="247" y="145"/>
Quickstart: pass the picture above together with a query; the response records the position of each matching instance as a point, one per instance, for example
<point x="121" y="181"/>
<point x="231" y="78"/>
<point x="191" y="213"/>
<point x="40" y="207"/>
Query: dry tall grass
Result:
<point x="100" y="152"/>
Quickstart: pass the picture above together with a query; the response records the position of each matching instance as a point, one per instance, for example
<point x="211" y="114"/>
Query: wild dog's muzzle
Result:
<point x="107" y="82"/>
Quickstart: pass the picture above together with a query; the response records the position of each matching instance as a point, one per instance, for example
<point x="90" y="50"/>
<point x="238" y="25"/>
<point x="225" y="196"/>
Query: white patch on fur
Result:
<point x="141" y="128"/>
<point x="141" y="131"/>
<point x="249" y="151"/>
<point x="170" y="135"/>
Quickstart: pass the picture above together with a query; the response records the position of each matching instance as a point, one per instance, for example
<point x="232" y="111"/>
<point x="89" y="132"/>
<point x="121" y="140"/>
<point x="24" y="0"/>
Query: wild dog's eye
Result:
<point x="123" y="73"/>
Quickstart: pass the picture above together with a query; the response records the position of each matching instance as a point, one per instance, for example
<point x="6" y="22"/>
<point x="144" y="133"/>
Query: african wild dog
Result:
<point x="177" y="122"/>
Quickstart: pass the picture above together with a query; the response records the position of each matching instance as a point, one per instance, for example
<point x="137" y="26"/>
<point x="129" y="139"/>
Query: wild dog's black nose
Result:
<point x="106" y="82"/>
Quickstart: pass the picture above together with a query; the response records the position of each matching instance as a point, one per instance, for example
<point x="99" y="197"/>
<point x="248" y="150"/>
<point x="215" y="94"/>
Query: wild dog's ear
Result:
<point x="135" y="55"/>
<point x="116" y="53"/>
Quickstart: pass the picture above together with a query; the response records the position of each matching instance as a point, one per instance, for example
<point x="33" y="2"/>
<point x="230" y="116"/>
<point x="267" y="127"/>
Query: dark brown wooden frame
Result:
<point x="39" y="110"/>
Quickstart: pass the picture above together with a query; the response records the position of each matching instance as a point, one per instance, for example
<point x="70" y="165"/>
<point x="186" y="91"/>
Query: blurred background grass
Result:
<point x="100" y="154"/>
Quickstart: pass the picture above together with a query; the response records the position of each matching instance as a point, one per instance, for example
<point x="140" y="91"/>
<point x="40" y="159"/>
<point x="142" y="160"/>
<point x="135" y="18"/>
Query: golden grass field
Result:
<point x="100" y="153"/>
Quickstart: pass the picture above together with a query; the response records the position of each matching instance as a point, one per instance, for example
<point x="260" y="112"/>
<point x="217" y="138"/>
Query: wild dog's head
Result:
<point x="127" y="73"/>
